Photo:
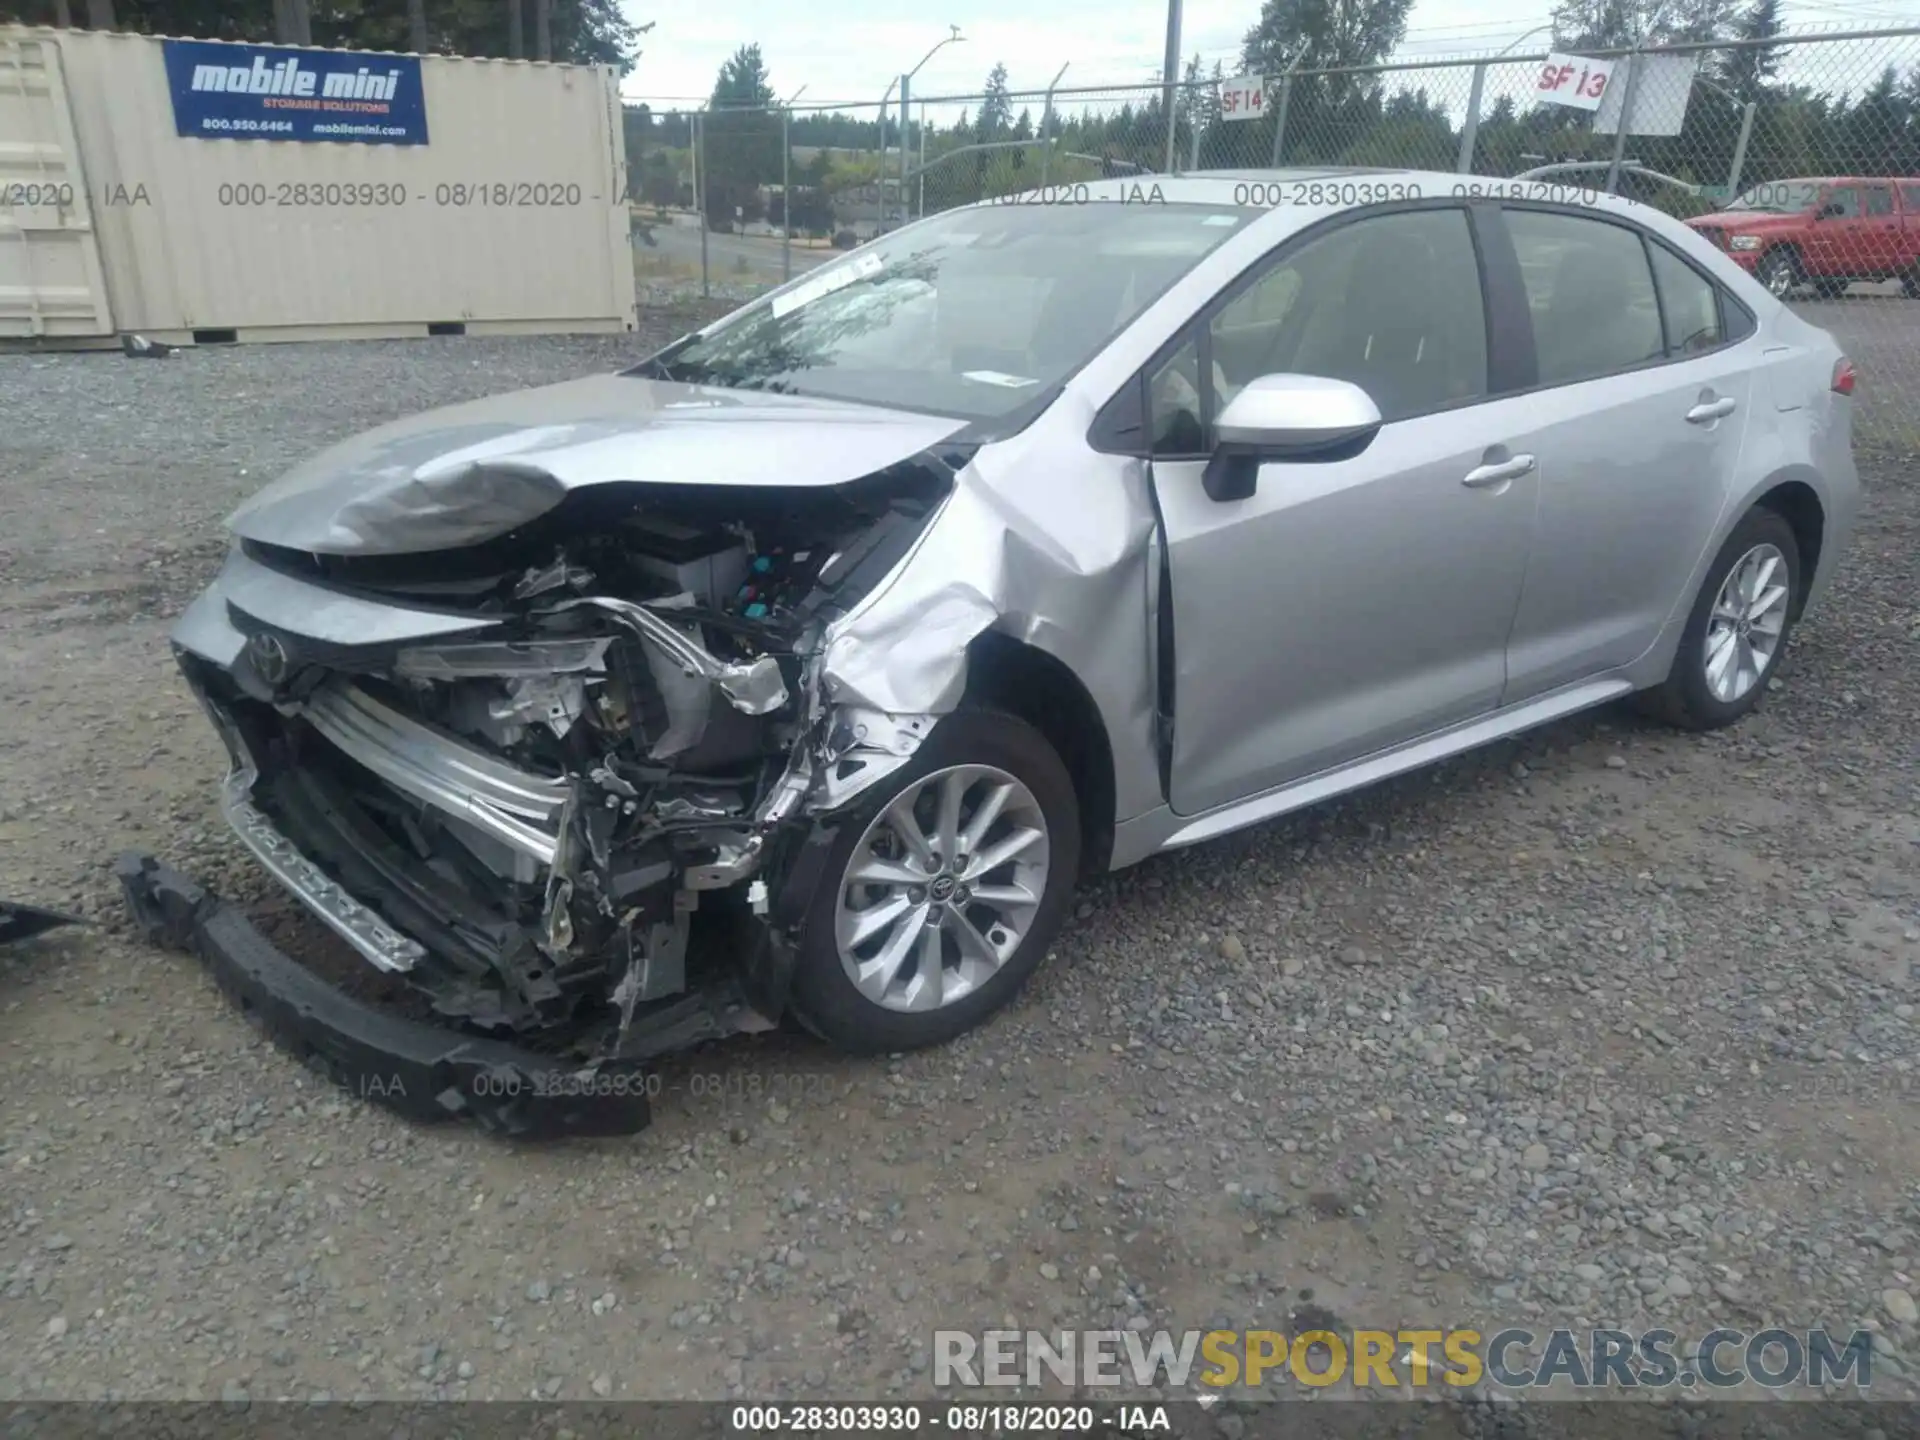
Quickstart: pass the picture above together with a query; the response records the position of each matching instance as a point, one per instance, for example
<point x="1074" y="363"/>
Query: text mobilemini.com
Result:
<point x="1517" y="1359"/>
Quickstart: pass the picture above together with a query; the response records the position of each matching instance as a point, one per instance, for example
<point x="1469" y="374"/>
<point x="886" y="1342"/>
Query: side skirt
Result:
<point x="1164" y="830"/>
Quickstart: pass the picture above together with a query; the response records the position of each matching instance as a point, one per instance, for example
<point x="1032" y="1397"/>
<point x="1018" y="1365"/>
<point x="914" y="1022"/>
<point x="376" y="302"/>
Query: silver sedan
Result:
<point x="803" y="668"/>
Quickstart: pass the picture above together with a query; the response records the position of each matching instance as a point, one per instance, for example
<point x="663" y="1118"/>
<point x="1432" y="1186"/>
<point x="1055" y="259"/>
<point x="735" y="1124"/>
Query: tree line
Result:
<point x="1337" y="114"/>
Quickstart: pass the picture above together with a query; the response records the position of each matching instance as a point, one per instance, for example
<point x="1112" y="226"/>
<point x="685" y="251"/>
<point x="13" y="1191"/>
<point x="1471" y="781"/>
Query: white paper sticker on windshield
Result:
<point x="1221" y="220"/>
<point x="996" y="377"/>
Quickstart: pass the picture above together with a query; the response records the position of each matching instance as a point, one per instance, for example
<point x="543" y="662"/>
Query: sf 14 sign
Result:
<point x="1574" y="80"/>
<point x="1244" y="98"/>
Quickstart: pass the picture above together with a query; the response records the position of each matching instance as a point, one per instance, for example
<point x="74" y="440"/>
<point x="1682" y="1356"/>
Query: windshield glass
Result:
<point x="975" y="313"/>
<point x="1780" y="197"/>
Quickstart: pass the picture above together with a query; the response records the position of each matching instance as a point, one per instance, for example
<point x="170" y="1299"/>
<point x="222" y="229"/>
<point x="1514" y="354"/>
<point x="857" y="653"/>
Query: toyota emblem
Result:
<point x="269" y="658"/>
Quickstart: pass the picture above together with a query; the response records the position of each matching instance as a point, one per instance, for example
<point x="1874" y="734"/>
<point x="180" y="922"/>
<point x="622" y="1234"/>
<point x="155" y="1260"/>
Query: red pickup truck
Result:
<point x="1824" y="232"/>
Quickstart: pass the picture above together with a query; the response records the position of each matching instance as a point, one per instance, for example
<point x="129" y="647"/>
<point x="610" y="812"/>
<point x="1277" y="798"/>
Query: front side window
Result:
<point x="1843" y="203"/>
<point x="1391" y="303"/>
<point x="1688" y="302"/>
<point x="1589" y="292"/>
<point x="976" y="313"/>
<point x="1879" y="200"/>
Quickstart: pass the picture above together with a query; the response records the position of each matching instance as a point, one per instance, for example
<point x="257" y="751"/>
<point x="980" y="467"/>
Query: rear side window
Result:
<point x="1910" y="198"/>
<point x="1590" y="294"/>
<point x="1688" y="303"/>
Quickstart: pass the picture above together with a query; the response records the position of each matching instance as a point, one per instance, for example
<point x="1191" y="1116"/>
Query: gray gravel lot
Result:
<point x="1604" y="1026"/>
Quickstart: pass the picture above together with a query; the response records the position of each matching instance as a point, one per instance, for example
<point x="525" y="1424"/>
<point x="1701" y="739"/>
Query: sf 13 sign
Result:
<point x="273" y="92"/>
<point x="1574" y="80"/>
<point x="1244" y="98"/>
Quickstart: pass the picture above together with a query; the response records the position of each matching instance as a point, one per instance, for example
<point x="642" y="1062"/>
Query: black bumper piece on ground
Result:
<point x="21" y="922"/>
<point x="424" y="1072"/>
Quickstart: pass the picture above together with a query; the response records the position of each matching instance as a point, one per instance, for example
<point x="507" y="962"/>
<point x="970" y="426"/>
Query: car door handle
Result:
<point x="1501" y="471"/>
<point x="1711" y="410"/>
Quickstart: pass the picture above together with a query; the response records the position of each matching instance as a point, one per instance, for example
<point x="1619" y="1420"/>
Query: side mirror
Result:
<point x="1287" y="417"/>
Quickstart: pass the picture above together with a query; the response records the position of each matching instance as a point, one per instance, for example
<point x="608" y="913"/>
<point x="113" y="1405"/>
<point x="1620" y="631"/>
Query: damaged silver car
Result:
<point x="804" y="667"/>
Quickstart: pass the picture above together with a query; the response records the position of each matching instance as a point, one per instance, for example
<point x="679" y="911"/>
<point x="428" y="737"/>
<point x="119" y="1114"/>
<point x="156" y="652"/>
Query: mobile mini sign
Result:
<point x="272" y="92"/>
<point x="1574" y="80"/>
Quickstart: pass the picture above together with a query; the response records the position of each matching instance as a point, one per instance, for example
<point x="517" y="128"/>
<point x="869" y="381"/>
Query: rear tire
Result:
<point x="975" y="754"/>
<point x="1730" y="647"/>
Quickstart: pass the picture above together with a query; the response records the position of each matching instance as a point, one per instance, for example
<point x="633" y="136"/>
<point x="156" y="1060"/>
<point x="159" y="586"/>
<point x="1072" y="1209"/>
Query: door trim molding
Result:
<point x="1384" y="764"/>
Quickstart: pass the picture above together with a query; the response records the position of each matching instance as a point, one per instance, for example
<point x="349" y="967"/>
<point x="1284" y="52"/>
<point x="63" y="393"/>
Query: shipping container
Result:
<point x="494" y="201"/>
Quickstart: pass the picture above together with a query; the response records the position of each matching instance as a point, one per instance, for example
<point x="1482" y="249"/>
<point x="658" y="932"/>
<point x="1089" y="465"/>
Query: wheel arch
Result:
<point x="1042" y="689"/>
<point x="1799" y="504"/>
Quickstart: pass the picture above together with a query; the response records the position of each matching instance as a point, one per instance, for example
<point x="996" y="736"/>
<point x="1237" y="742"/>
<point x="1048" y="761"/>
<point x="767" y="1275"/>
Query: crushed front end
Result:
<point x="566" y="783"/>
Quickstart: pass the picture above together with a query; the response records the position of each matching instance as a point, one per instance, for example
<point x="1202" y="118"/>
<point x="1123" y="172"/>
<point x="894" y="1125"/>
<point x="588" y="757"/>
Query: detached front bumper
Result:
<point x="422" y="1071"/>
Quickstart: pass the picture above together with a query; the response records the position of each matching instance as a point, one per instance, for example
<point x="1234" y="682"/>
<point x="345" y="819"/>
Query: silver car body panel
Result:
<point x="467" y="473"/>
<point x="331" y="616"/>
<point x="1486" y="611"/>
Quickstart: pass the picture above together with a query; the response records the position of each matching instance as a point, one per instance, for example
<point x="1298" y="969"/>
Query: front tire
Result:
<point x="1780" y="273"/>
<point x="943" y="891"/>
<point x="1737" y="630"/>
<point x="1830" y="289"/>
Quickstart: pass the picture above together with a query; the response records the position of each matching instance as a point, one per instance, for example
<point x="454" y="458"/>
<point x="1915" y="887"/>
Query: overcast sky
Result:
<point x="848" y="50"/>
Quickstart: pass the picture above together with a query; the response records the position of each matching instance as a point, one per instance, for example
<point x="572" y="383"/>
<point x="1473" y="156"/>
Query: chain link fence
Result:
<point x="739" y="200"/>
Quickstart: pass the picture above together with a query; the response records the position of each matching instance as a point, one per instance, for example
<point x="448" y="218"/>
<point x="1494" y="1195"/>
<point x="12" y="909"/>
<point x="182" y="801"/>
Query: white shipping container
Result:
<point x="513" y="217"/>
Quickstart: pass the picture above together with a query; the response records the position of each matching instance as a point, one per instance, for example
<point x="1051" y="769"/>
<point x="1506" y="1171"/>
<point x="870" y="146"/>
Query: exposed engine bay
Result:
<point x="530" y="821"/>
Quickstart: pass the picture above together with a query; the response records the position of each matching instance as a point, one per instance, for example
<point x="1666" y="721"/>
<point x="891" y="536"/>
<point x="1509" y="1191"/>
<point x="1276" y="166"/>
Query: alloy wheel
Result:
<point x="1744" y="628"/>
<point x="942" y="888"/>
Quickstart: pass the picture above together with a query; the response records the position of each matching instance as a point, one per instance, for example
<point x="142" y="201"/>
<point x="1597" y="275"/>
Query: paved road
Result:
<point x="727" y="254"/>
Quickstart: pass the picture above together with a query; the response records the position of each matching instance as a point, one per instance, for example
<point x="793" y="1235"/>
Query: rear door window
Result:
<point x="1590" y="294"/>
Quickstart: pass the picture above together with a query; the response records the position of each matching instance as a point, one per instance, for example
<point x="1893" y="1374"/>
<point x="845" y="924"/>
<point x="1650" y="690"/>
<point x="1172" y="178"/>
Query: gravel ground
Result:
<point x="1603" y="1026"/>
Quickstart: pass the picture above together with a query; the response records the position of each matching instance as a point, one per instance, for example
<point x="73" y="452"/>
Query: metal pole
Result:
<point x="1194" y="162"/>
<point x="1170" y="75"/>
<point x="880" y="159"/>
<point x="700" y="198"/>
<point x="1626" y="119"/>
<point x="1280" y="115"/>
<point x="923" y="160"/>
<point x="786" y="201"/>
<point x="1740" y="153"/>
<point x="1471" y="131"/>
<point x="905" y="122"/>
<point x="1046" y="126"/>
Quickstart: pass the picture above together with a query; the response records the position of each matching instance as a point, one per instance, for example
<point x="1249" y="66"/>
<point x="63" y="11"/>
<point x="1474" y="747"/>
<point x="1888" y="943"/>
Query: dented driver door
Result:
<point x="1354" y="603"/>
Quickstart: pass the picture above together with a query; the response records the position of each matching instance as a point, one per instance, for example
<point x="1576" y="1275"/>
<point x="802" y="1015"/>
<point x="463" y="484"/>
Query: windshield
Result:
<point x="1780" y="197"/>
<point x="976" y="313"/>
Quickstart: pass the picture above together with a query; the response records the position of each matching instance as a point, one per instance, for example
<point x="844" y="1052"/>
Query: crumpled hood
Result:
<point x="467" y="473"/>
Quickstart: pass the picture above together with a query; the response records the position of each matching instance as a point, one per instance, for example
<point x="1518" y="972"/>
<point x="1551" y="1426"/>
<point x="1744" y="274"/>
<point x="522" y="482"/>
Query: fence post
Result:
<point x="1626" y="119"/>
<point x="1470" y="132"/>
<point x="1046" y="126"/>
<point x="1194" y="163"/>
<point x="1740" y="153"/>
<point x="921" y="175"/>
<point x="700" y="197"/>
<point x="1169" y="78"/>
<point x="786" y="201"/>
<point x="1280" y="116"/>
